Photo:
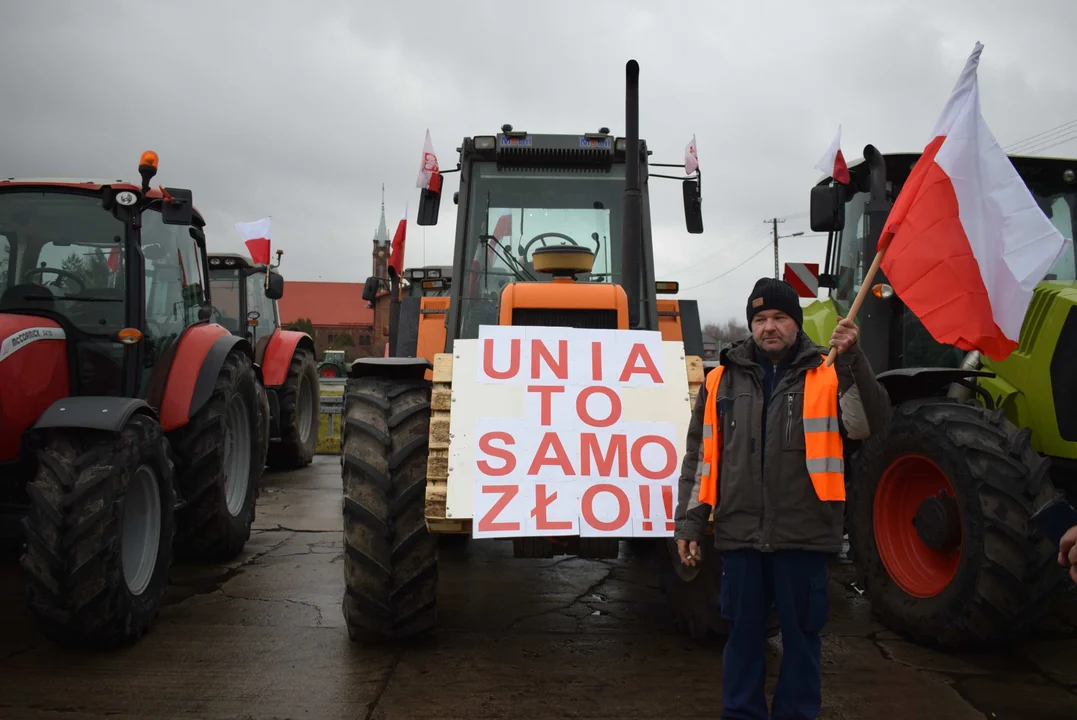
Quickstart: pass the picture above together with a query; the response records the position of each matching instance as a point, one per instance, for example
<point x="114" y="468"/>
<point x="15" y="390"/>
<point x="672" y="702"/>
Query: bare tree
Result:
<point x="730" y="331"/>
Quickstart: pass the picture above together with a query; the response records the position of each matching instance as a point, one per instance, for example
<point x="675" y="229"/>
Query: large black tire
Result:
<point x="693" y="594"/>
<point x="76" y="585"/>
<point x="390" y="559"/>
<point x="1005" y="571"/>
<point x="299" y="430"/>
<point x="209" y="529"/>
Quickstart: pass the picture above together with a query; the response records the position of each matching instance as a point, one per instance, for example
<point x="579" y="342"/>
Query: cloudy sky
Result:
<point x="301" y="110"/>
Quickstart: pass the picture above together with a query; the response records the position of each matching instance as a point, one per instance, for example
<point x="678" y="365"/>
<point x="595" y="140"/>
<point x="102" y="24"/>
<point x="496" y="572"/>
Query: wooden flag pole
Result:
<point x="864" y="287"/>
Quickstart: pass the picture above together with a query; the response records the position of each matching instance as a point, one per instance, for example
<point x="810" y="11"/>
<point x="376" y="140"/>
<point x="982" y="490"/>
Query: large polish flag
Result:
<point x="833" y="162"/>
<point x="965" y="243"/>
<point x="256" y="237"/>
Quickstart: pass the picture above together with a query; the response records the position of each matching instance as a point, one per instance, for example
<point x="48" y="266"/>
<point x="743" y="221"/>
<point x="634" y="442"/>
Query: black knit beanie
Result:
<point x="774" y="294"/>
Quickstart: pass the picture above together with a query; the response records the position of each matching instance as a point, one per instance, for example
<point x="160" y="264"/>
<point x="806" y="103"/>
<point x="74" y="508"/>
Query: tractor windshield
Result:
<point x="1061" y="207"/>
<point x="513" y="212"/>
<point x="61" y="252"/>
<point x="225" y="285"/>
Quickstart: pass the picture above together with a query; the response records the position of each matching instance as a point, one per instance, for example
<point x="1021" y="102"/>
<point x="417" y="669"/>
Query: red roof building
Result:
<point x="336" y="310"/>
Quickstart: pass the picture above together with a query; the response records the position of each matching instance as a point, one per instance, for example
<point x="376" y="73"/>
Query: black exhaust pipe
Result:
<point x="632" y="219"/>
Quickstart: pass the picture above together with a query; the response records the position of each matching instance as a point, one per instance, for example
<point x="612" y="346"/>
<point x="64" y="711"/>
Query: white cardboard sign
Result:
<point x="565" y="431"/>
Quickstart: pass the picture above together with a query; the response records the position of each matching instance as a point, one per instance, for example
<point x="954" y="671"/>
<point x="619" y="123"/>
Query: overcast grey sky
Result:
<point x="301" y="110"/>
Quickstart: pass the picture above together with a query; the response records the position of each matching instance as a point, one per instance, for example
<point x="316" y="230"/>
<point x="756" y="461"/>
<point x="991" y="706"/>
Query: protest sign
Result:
<point x="565" y="431"/>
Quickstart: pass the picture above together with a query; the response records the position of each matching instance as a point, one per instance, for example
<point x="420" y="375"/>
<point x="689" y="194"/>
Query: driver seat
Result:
<point x="25" y="297"/>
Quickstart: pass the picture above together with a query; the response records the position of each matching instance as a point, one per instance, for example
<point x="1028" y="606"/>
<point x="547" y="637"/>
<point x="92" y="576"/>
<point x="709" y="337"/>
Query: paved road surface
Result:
<point x="263" y="638"/>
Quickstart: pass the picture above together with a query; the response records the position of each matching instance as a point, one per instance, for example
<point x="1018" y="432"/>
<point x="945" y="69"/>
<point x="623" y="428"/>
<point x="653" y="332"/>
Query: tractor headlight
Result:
<point x="882" y="291"/>
<point x="484" y="142"/>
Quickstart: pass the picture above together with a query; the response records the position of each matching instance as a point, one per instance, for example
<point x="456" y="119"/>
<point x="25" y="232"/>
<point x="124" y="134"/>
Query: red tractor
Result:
<point x="131" y="428"/>
<point x="245" y="302"/>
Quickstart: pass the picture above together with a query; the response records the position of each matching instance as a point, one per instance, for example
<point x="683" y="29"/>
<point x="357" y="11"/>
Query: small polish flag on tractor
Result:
<point x="429" y="175"/>
<point x="256" y="237"/>
<point x="691" y="157"/>
<point x="833" y="162"/>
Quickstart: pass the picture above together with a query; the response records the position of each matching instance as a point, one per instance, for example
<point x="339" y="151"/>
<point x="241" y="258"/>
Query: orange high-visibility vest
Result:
<point x="823" y="453"/>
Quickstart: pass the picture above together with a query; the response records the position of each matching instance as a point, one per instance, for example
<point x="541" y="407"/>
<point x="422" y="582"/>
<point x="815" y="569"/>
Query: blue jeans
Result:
<point x="751" y="582"/>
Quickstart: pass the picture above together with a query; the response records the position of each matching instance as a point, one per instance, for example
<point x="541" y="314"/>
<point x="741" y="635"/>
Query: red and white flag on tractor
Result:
<point x="965" y="243"/>
<point x="833" y="162"/>
<point x="256" y="237"/>
<point x="429" y="172"/>
<point x="396" y="254"/>
<point x="691" y="157"/>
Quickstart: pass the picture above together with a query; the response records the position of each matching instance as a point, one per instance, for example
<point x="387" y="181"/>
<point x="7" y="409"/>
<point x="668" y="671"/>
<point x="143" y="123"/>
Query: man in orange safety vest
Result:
<point x="765" y="451"/>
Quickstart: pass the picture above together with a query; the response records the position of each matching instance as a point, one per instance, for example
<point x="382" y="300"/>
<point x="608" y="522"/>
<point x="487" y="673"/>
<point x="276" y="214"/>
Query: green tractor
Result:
<point x="333" y="364"/>
<point x="939" y="502"/>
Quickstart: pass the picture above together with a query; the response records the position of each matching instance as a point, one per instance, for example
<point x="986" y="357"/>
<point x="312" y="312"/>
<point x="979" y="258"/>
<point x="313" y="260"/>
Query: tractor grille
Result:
<point x="562" y="159"/>
<point x="1064" y="380"/>
<point x="591" y="319"/>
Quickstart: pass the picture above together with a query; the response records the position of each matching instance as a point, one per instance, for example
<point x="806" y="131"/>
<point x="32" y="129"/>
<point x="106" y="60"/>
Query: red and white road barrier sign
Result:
<point x="563" y="431"/>
<point x="804" y="277"/>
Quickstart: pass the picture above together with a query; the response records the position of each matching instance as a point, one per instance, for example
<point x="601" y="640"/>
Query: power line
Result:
<point x="763" y="247"/>
<point x="1038" y="137"/>
<point x="695" y="264"/>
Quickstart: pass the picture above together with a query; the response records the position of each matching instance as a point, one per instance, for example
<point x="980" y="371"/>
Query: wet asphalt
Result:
<point x="263" y="637"/>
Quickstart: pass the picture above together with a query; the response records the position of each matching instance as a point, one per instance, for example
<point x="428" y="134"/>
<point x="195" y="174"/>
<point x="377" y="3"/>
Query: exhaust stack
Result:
<point x="632" y="219"/>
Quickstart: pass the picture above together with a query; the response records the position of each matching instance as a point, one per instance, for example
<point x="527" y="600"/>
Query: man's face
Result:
<point x="774" y="331"/>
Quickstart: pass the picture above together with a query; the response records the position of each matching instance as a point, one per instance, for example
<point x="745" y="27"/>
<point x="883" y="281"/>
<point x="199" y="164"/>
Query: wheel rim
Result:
<point x="141" y="535"/>
<point x="306" y="412"/>
<point x="237" y="449"/>
<point x="329" y="372"/>
<point x="911" y="484"/>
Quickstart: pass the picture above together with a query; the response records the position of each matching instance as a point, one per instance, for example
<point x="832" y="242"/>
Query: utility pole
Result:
<point x="774" y="222"/>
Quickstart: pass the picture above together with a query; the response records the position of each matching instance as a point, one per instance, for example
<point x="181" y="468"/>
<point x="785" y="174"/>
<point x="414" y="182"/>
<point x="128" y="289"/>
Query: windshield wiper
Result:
<point x="517" y="269"/>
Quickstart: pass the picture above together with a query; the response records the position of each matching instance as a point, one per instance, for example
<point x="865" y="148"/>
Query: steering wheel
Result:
<point x="63" y="273"/>
<point x="542" y="236"/>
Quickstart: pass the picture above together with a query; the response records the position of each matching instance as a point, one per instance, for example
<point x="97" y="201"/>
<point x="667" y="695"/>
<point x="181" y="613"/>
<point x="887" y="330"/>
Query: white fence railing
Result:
<point x="333" y="406"/>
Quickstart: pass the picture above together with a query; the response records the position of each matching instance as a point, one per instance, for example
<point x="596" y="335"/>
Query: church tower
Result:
<point x="381" y="246"/>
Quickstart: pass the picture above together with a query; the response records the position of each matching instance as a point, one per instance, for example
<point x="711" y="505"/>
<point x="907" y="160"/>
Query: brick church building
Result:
<point x="338" y="315"/>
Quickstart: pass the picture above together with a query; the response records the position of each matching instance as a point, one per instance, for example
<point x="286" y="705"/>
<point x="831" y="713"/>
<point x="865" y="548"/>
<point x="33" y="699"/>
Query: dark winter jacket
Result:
<point x="766" y="500"/>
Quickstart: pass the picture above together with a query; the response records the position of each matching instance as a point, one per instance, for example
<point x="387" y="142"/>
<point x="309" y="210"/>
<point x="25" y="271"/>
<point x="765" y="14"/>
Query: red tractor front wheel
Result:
<point x="917" y="525"/>
<point x="938" y="512"/>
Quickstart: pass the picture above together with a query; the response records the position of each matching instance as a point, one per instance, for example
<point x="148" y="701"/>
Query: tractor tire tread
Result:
<point x="72" y="561"/>
<point x="390" y="559"/>
<point x="1007" y="583"/>
<point x="206" y="531"/>
<point x="291" y="453"/>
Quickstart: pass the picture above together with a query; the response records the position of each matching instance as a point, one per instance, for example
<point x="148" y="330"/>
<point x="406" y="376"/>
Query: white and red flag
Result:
<point x="396" y="254"/>
<point x="965" y="243"/>
<point x="256" y="237"/>
<point x="833" y="162"/>
<point x="429" y="172"/>
<point x="691" y="157"/>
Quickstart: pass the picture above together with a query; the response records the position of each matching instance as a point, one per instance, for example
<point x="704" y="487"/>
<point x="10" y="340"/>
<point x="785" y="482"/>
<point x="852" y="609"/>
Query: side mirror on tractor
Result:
<point x="179" y="210"/>
<point x="827" y="208"/>
<point x="370" y="288"/>
<point x="430" y="204"/>
<point x="275" y="289"/>
<point x="693" y="206"/>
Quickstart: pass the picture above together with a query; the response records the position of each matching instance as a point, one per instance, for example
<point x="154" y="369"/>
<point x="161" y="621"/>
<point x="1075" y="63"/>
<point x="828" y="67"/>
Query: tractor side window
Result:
<point x="224" y="294"/>
<point x="7" y="264"/>
<point x="850" y="268"/>
<point x="174" y="280"/>
<point x="1062" y="211"/>
<point x="259" y="303"/>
